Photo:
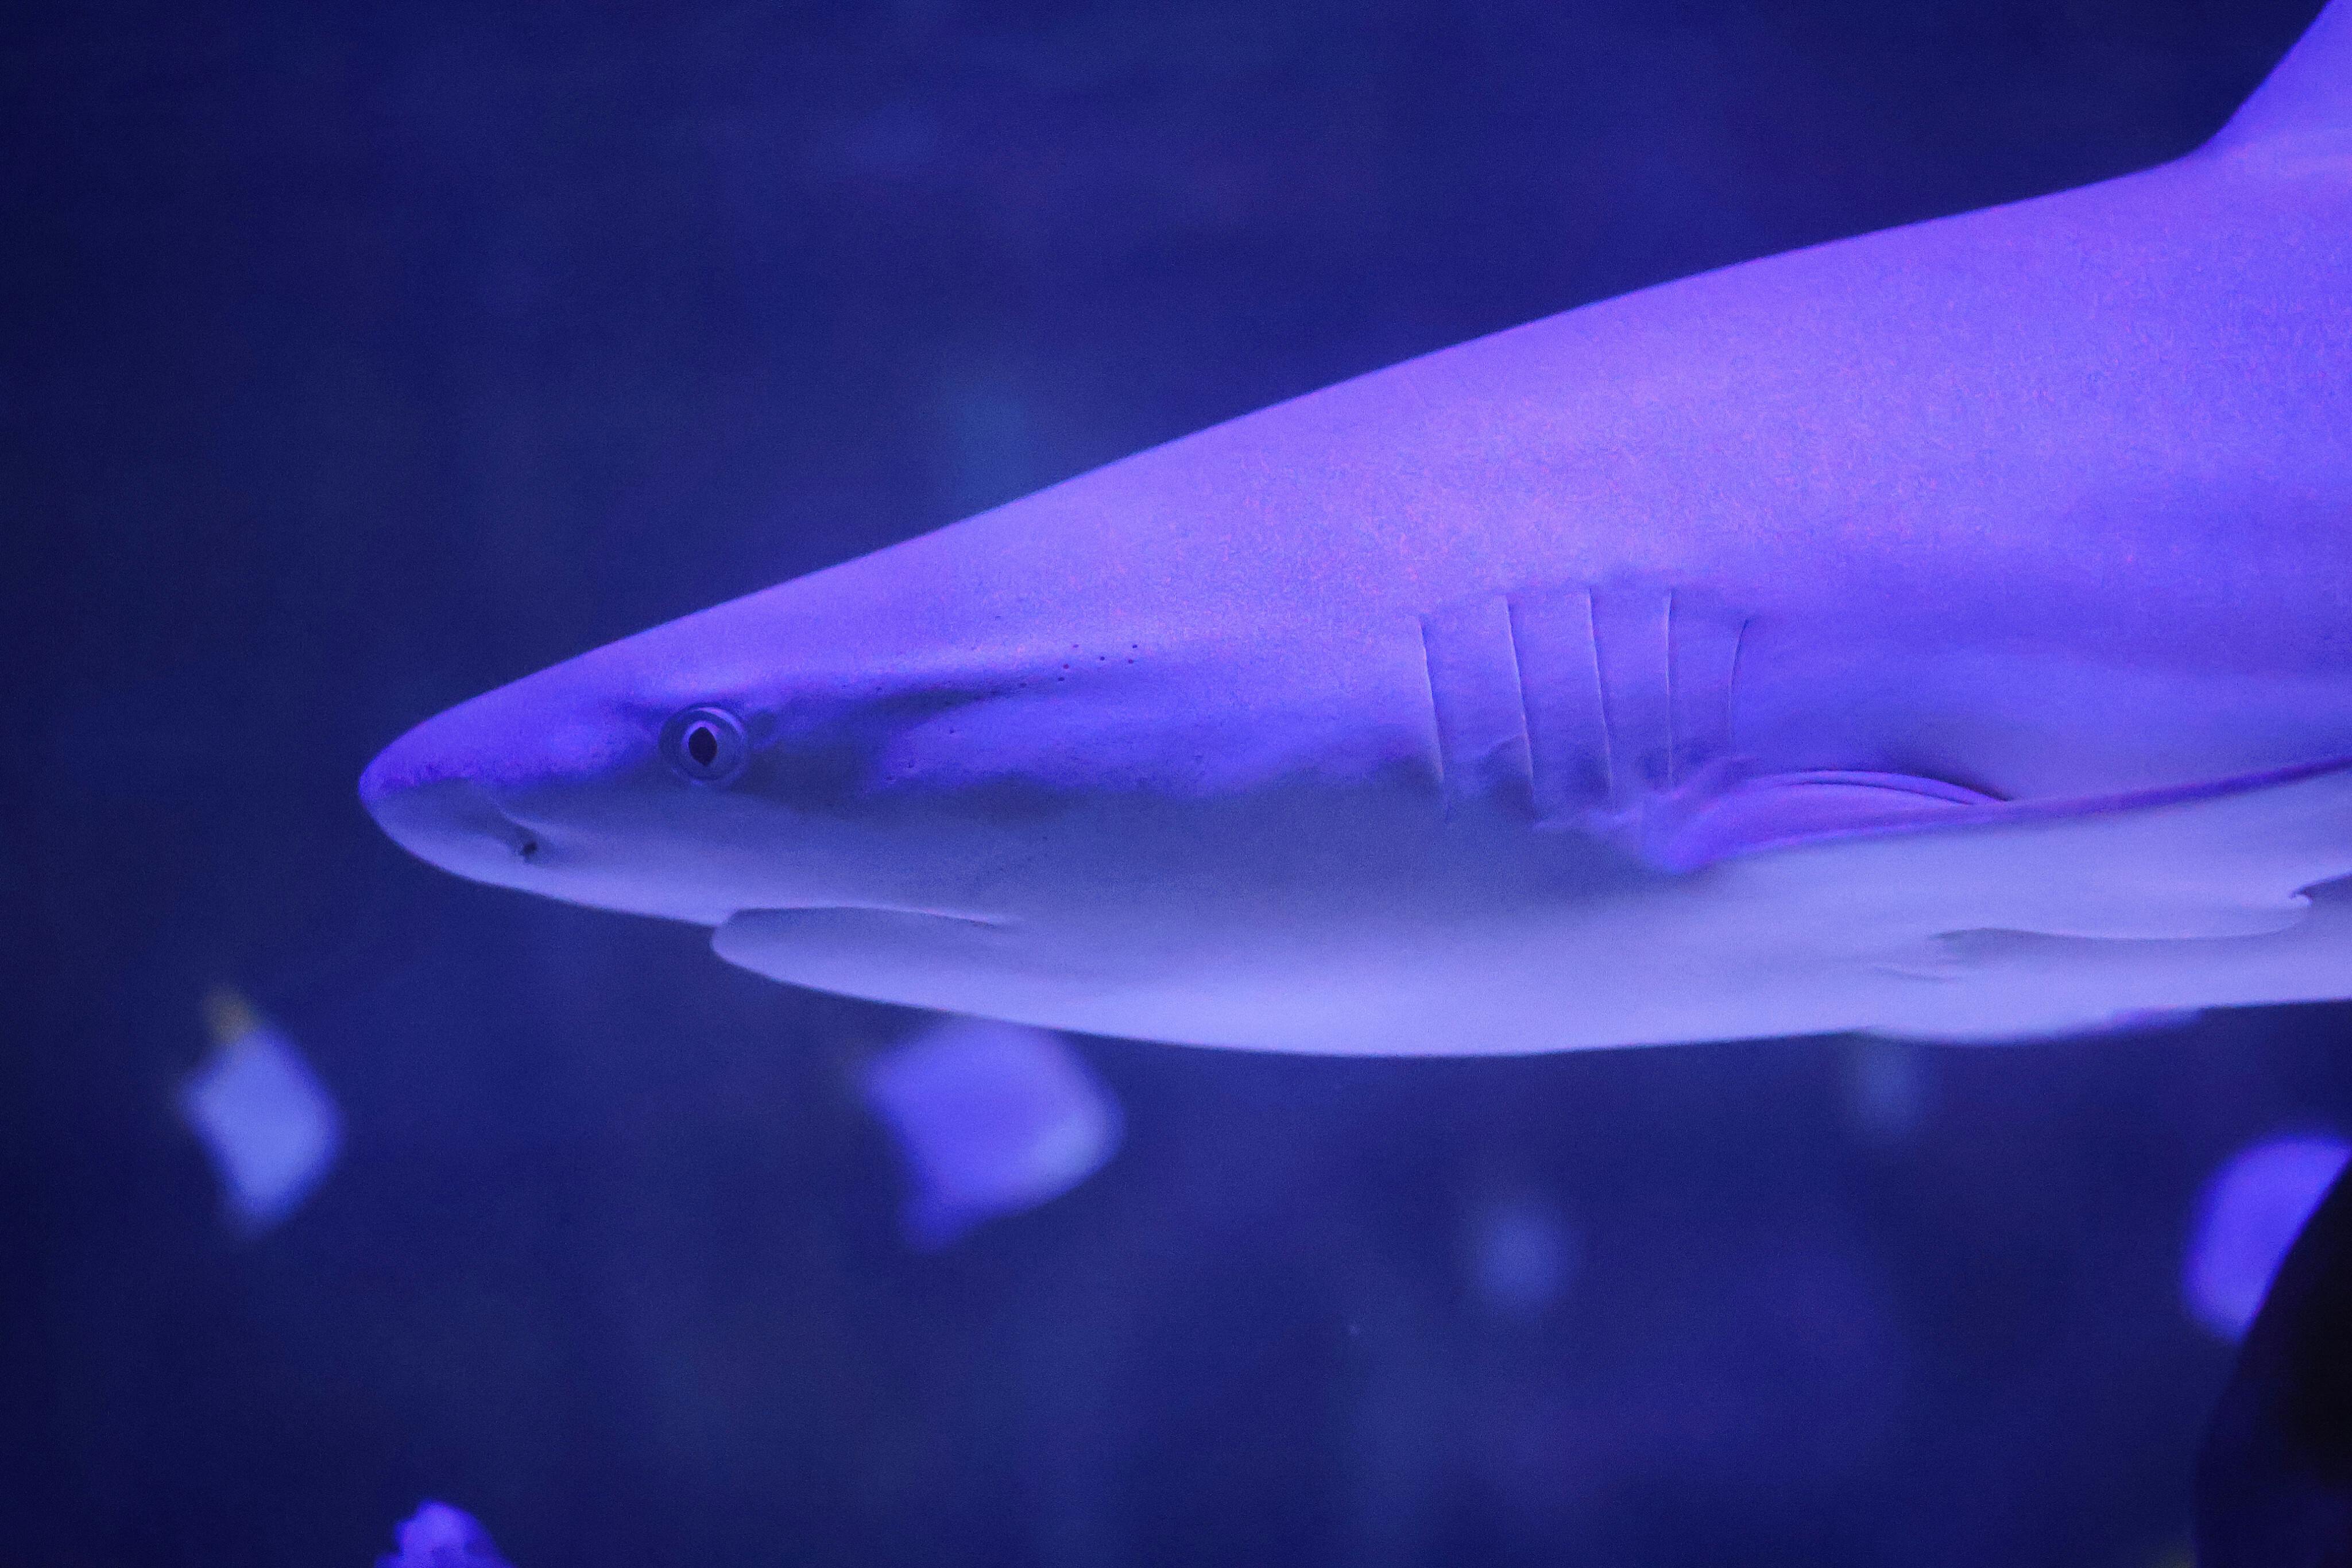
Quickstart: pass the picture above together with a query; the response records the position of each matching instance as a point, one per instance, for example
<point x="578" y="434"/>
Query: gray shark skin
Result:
<point x="1944" y="631"/>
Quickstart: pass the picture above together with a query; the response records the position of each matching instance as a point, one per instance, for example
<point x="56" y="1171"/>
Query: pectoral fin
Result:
<point x="1908" y="864"/>
<point x="1795" y="808"/>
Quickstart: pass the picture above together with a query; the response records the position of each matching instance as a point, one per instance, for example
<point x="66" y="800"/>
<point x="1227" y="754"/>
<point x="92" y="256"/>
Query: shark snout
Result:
<point x="452" y="823"/>
<point x="441" y="815"/>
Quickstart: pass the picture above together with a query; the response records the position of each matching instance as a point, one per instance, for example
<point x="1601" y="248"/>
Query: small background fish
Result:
<point x="439" y="1536"/>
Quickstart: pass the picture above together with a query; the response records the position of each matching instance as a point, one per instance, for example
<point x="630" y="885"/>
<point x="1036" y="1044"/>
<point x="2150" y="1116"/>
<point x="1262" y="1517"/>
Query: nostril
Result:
<point x="527" y="849"/>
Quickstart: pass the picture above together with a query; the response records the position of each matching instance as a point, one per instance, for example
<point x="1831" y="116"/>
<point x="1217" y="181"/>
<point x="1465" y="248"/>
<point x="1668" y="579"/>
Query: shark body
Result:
<point x="1945" y="632"/>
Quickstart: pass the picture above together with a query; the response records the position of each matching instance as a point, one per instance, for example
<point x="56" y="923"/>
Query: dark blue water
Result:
<point x="359" y="358"/>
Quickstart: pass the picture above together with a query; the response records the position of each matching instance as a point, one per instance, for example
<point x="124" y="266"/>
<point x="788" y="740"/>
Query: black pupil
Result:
<point x="702" y="745"/>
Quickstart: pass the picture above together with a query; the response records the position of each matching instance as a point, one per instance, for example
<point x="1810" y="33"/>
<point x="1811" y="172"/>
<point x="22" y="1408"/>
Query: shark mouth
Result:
<point x="898" y="911"/>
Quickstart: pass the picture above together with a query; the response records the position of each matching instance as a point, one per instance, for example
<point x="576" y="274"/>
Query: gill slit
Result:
<point x="1601" y="690"/>
<point x="1436" y="722"/>
<point x="1731" y="688"/>
<point x="1519" y="684"/>
<point x="1674" y="753"/>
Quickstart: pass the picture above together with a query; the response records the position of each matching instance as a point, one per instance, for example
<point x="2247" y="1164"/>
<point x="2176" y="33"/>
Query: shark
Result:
<point x="1945" y="631"/>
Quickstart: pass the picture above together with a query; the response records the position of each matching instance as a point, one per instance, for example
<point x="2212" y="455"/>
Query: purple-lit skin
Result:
<point x="1946" y="631"/>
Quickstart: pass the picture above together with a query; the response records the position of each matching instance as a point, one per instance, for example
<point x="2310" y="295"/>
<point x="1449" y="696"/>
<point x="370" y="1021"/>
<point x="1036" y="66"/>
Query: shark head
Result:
<point x="655" y="775"/>
<point x="927" y="777"/>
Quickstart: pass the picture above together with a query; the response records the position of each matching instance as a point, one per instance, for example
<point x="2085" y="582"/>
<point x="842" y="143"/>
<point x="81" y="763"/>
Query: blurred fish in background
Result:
<point x="1889" y="1086"/>
<point x="270" y="1126"/>
<point x="1520" y="1250"/>
<point x="2275" y="1475"/>
<point x="439" y="1536"/>
<point x="2248" y="1216"/>
<point x="991" y="1119"/>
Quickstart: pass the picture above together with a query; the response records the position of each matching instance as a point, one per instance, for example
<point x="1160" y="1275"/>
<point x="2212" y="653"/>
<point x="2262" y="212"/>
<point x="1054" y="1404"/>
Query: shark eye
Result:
<point x="705" y="744"/>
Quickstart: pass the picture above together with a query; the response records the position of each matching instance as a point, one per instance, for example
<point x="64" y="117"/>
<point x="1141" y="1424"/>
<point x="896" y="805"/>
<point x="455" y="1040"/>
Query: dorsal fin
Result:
<point x="2310" y="91"/>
